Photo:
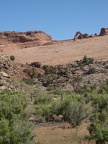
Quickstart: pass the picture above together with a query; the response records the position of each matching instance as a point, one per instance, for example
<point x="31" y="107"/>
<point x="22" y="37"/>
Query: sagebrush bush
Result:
<point x="85" y="61"/>
<point x="40" y="92"/>
<point x="57" y="91"/>
<point x="73" y="108"/>
<point x="76" y="112"/>
<point x="98" y="128"/>
<point x="29" y="81"/>
<point x="42" y="99"/>
<point x="91" y="70"/>
<point x="31" y="72"/>
<point x="49" y="69"/>
<point x="105" y="88"/>
<point x="14" y="125"/>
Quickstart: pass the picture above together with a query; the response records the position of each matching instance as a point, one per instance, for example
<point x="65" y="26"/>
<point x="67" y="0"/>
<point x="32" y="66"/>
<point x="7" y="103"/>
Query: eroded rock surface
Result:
<point x="104" y="31"/>
<point x="22" y="37"/>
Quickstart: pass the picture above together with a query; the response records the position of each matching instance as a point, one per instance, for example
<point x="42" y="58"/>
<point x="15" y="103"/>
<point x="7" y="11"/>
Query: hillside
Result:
<point x="41" y="48"/>
<point x="53" y="91"/>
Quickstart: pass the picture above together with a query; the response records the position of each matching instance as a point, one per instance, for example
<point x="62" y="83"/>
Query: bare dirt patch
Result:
<point x="61" y="134"/>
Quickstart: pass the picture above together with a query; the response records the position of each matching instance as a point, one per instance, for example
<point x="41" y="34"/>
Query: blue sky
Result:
<point x="58" y="18"/>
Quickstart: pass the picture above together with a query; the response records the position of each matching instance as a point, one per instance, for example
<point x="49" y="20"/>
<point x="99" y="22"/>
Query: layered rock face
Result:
<point x="22" y="37"/>
<point x="104" y="31"/>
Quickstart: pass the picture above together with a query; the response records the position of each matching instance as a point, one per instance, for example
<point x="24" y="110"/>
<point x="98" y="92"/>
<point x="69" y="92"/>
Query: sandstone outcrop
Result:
<point x="79" y="35"/>
<point x="104" y="31"/>
<point x="22" y="37"/>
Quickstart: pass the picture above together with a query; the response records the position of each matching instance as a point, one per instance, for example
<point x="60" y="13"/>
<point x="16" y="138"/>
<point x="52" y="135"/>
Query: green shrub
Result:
<point x="98" y="132"/>
<point x="14" y="125"/>
<point x="31" y="72"/>
<point x="98" y="128"/>
<point x="91" y="70"/>
<point x="46" y="112"/>
<point x="87" y="61"/>
<point x="29" y="81"/>
<point x="12" y="103"/>
<point x="56" y="108"/>
<point x="49" y="69"/>
<point x="42" y="99"/>
<point x="15" y="131"/>
<point x="73" y="108"/>
<point x="40" y="92"/>
<point x="76" y="112"/>
<point x="104" y="88"/>
<point x="56" y="91"/>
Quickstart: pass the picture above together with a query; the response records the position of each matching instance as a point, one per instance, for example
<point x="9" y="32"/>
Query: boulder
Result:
<point x="4" y="74"/>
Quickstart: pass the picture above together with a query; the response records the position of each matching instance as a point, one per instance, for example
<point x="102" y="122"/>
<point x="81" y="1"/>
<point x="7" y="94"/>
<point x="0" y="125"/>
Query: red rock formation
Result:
<point x="22" y="37"/>
<point x="104" y="31"/>
<point x="79" y="35"/>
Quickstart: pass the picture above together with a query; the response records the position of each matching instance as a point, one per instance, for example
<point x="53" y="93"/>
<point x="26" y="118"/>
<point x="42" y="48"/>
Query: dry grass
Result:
<point x="61" y="134"/>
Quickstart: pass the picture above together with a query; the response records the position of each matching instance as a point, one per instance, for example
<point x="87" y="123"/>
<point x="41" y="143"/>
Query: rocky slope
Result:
<point x="42" y="62"/>
<point x="70" y="77"/>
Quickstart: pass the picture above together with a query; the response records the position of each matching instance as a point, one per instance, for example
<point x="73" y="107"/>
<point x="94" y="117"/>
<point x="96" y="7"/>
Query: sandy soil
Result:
<point x="60" y="53"/>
